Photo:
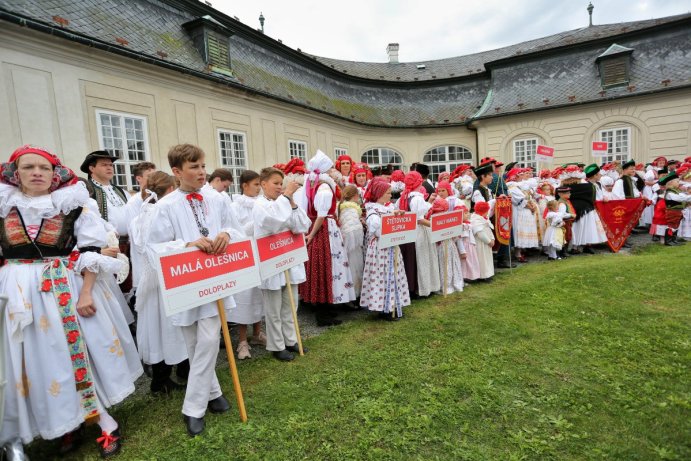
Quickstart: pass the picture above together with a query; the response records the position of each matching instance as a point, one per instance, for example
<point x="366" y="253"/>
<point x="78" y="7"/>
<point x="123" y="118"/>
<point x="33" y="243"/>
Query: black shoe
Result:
<point x="296" y="349"/>
<point x="219" y="405"/>
<point x="325" y="322"/>
<point x="195" y="426"/>
<point x="656" y="238"/>
<point x="109" y="444"/>
<point x="283" y="356"/>
<point x="588" y="250"/>
<point x="506" y="265"/>
<point x="166" y="387"/>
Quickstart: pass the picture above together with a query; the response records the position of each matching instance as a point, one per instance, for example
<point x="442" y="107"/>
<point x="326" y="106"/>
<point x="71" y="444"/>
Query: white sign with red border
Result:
<point x="397" y="229"/>
<point x="279" y="252"/>
<point x="446" y="225"/>
<point x="600" y="148"/>
<point x="191" y="277"/>
<point x="544" y="154"/>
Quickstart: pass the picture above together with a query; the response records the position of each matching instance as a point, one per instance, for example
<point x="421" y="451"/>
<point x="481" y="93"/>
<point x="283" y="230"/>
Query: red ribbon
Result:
<point x="106" y="439"/>
<point x="195" y="196"/>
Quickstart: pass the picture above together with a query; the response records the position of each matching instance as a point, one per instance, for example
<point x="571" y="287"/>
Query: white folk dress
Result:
<point x="554" y="234"/>
<point x="249" y="305"/>
<point x="353" y="239"/>
<point x="425" y="250"/>
<point x="384" y="284"/>
<point x="483" y="230"/>
<point x="174" y="225"/>
<point x="41" y="398"/>
<point x="158" y="339"/>
<point x="588" y="230"/>
<point x="524" y="221"/>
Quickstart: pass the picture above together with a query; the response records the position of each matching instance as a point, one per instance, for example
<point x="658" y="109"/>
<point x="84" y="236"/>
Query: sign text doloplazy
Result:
<point x="279" y="252"/>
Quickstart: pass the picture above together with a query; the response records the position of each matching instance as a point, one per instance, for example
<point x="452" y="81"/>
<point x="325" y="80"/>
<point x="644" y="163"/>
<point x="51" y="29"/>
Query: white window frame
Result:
<point x="367" y="155"/>
<point x="442" y="162"/>
<point x="615" y="151"/>
<point x="338" y="151"/>
<point x="297" y="148"/>
<point x="123" y="166"/>
<point x="233" y="159"/>
<point x="525" y="154"/>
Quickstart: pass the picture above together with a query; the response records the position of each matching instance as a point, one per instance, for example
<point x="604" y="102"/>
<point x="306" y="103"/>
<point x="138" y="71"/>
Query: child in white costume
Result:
<point x="449" y="251"/>
<point x="160" y="344"/>
<point x="249" y="308"/>
<point x="553" y="240"/>
<point x="384" y="285"/>
<point x="350" y="220"/>
<point x="483" y="230"/>
<point x="190" y="217"/>
<point x="276" y="212"/>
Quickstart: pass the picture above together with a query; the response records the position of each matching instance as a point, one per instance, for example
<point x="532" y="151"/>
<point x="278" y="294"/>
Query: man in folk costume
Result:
<point x="587" y="227"/>
<point x="625" y="186"/>
<point x="675" y="201"/>
<point x="329" y="281"/>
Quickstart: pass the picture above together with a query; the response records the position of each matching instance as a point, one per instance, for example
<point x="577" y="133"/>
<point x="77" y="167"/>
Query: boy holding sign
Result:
<point x="192" y="217"/>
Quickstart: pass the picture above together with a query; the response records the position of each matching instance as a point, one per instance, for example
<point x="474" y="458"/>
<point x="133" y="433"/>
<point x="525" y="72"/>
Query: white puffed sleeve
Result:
<point x="322" y="200"/>
<point x="91" y="231"/>
<point x="374" y="224"/>
<point x="161" y="236"/>
<point x="419" y="206"/>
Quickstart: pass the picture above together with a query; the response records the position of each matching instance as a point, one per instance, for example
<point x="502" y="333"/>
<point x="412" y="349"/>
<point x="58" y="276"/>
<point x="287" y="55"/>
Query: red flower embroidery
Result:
<point x="70" y="265"/>
<point x="64" y="299"/>
<point x="79" y="374"/>
<point x="56" y="263"/>
<point x="46" y="285"/>
<point x="68" y="319"/>
<point x="79" y="356"/>
<point x="72" y="336"/>
<point x="74" y="255"/>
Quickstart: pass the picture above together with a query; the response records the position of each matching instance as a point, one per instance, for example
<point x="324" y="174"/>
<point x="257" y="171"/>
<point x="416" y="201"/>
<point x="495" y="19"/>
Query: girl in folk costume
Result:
<point x="524" y="209"/>
<point x="587" y="228"/>
<point x="160" y="344"/>
<point x="675" y="201"/>
<point x="68" y="354"/>
<point x="272" y="213"/>
<point x="397" y="185"/>
<point x="424" y="264"/>
<point x="483" y="230"/>
<point x="351" y="221"/>
<point x="607" y="186"/>
<point x="191" y="217"/>
<point x="651" y="186"/>
<point x="328" y="275"/>
<point x="450" y="268"/>
<point x="553" y="240"/>
<point x="384" y="285"/>
<point x="545" y="193"/>
<point x="462" y="179"/>
<point x="445" y="191"/>
<point x="684" y="174"/>
<point x="658" y="228"/>
<point x="568" y="213"/>
<point x="249" y="310"/>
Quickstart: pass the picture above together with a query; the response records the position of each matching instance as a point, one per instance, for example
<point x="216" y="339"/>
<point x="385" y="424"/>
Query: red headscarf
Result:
<point x="376" y="188"/>
<point x="340" y="159"/>
<point x="413" y="181"/>
<point x="444" y="176"/>
<point x="482" y="208"/>
<point x="445" y="185"/>
<point x="458" y="171"/>
<point x="439" y="205"/>
<point x="398" y="176"/>
<point x="295" y="166"/>
<point x="62" y="176"/>
<point x="359" y="168"/>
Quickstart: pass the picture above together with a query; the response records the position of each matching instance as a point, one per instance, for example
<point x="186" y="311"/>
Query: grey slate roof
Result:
<point x="447" y="91"/>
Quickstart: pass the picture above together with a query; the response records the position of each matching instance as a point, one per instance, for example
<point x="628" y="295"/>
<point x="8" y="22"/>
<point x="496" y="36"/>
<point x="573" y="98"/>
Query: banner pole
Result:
<point x="231" y="361"/>
<point x="294" y="311"/>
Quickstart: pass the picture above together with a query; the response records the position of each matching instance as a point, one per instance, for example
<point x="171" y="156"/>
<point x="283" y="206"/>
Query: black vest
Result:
<point x="54" y="238"/>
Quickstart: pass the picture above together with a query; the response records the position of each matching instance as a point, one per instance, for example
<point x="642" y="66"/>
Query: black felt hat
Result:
<point x="483" y="169"/>
<point x="93" y="157"/>
<point x="628" y="164"/>
<point x="591" y="170"/>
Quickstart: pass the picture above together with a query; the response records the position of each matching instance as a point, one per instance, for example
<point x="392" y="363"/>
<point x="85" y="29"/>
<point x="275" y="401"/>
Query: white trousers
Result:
<point x="202" y="340"/>
<point x="280" y="328"/>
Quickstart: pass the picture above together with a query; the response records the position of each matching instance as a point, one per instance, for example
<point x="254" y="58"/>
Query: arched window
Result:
<point x="382" y="156"/>
<point x="446" y="158"/>
<point x="525" y="152"/>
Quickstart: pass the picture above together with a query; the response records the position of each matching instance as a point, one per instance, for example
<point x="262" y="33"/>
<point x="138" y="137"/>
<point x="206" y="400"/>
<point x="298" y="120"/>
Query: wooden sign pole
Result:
<point x="294" y="311"/>
<point x="231" y="361"/>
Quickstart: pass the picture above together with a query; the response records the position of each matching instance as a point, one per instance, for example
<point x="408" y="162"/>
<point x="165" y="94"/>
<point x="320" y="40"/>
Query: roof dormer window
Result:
<point x="212" y="40"/>
<point x="615" y="66"/>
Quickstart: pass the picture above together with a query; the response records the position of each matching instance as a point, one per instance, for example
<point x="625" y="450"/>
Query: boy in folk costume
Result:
<point x="483" y="230"/>
<point x="675" y="201"/>
<point x="329" y="281"/>
<point x="568" y="213"/>
<point x="190" y="217"/>
<point x="384" y="285"/>
<point x="276" y="211"/>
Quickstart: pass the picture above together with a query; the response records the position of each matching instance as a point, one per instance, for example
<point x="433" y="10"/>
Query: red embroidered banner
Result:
<point x="502" y="220"/>
<point x="619" y="217"/>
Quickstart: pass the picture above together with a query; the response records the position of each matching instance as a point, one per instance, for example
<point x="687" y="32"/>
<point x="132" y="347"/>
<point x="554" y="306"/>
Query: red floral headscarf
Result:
<point x="376" y="188"/>
<point x="413" y="183"/>
<point x="62" y="176"/>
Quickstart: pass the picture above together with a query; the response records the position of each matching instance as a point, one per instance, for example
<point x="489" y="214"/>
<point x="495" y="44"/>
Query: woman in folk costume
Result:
<point x="276" y="211"/>
<point x="587" y="227"/>
<point x="328" y="276"/>
<point x="360" y="176"/>
<point x="448" y="255"/>
<point x="249" y="309"/>
<point x="351" y="221"/>
<point x="384" y="284"/>
<point x="397" y="185"/>
<point x="483" y="230"/>
<point x="160" y="344"/>
<point x="523" y="216"/>
<point x="69" y="353"/>
<point x="424" y="266"/>
<point x="344" y="164"/>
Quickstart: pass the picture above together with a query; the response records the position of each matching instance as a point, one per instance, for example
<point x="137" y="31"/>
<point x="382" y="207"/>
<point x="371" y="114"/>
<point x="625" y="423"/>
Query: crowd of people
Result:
<point x="79" y="263"/>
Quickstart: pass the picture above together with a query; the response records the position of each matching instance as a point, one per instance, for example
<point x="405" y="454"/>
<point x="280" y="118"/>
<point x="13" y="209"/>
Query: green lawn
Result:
<point x="586" y="358"/>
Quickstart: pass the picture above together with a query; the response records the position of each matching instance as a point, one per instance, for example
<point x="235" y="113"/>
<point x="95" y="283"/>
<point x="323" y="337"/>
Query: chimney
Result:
<point x="392" y="51"/>
<point x="261" y="21"/>
<point x="590" y="13"/>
